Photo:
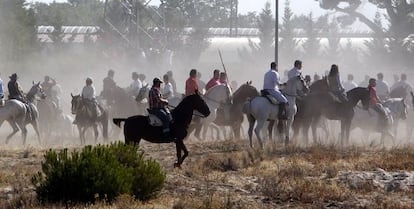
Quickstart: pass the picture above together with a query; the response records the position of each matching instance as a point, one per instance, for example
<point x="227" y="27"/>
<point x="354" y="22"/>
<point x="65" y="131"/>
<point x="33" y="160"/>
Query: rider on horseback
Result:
<point x="88" y="95"/>
<point x="48" y="85"/>
<point x="158" y="107"/>
<point x="109" y="86"/>
<point x="375" y="102"/>
<point x="135" y="86"/>
<point x="271" y="86"/>
<point x="335" y="85"/>
<point x="15" y="92"/>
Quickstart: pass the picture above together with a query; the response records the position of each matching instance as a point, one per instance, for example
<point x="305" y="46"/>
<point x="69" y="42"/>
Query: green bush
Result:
<point x="101" y="172"/>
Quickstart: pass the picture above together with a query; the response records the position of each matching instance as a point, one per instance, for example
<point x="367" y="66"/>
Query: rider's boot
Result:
<point x="282" y="111"/>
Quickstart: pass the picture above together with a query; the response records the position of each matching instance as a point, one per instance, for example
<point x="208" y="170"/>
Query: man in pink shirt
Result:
<point x="191" y="85"/>
<point x="214" y="81"/>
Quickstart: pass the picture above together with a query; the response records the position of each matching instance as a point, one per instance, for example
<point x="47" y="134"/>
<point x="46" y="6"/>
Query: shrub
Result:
<point x="101" y="172"/>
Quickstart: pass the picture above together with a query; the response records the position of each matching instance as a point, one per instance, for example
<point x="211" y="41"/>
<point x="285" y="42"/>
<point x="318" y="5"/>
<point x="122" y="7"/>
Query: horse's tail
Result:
<point x="118" y="121"/>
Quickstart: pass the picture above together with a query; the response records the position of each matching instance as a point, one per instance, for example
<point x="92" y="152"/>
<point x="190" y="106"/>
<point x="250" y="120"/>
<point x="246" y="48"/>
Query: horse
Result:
<point x="236" y="118"/>
<point x="260" y="109"/>
<point x="48" y="114"/>
<point x="215" y="97"/>
<point x="137" y="127"/>
<point x="124" y="105"/>
<point x="395" y="108"/>
<point x="319" y="103"/>
<point x="85" y="120"/>
<point x="19" y="114"/>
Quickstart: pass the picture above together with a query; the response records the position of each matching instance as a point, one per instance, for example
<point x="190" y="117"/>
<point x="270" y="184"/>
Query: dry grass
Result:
<point x="231" y="175"/>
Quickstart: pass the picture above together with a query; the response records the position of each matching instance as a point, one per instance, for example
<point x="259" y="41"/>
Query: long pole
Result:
<point x="277" y="31"/>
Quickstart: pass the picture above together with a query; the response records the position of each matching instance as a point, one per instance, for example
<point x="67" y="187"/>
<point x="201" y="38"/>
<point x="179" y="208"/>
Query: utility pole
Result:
<point x="277" y="32"/>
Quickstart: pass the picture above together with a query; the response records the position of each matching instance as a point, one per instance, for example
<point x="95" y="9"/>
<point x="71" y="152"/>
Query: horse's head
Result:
<point x="319" y="86"/>
<point x="76" y="103"/>
<point x="297" y="86"/>
<point x="36" y="90"/>
<point x="142" y="94"/>
<point x="359" y="94"/>
<point x="244" y="92"/>
<point x="199" y="104"/>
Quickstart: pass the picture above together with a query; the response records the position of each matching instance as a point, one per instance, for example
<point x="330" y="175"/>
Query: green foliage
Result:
<point x="17" y="31"/>
<point x="101" y="172"/>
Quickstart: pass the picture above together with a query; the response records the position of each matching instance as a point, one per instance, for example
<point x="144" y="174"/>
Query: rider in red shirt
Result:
<point x="374" y="101"/>
<point x="191" y="85"/>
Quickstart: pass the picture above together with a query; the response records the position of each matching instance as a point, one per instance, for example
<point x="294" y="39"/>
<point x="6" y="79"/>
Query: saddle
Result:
<point x="31" y="112"/>
<point x="154" y="120"/>
<point x="269" y="97"/>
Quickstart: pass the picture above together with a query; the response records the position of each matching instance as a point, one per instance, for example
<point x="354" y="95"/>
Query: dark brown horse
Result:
<point x="236" y="115"/>
<point x="137" y="127"/>
<point x="320" y="103"/>
<point x="85" y="120"/>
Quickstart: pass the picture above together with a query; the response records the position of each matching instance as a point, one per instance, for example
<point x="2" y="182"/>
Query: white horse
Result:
<point x="17" y="114"/>
<point x="215" y="97"/>
<point x="262" y="110"/>
<point x="396" y="110"/>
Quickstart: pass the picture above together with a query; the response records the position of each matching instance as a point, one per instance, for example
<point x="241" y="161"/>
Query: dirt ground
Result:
<point x="229" y="174"/>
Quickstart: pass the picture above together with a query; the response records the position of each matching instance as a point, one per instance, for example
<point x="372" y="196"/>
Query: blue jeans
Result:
<point x="278" y="95"/>
<point x="163" y="115"/>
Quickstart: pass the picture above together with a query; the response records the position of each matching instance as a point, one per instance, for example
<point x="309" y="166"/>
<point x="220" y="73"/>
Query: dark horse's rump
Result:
<point x="137" y="127"/>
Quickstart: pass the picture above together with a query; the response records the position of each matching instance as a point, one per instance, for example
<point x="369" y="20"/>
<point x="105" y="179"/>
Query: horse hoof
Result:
<point x="176" y="165"/>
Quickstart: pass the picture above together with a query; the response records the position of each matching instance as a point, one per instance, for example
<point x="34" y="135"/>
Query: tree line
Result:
<point x="161" y="30"/>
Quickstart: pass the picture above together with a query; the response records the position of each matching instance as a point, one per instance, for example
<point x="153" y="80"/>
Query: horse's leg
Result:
<point x="24" y="131"/>
<point x="252" y="121"/>
<point x="314" y="126"/>
<point x="259" y="126"/>
<point x="180" y="146"/>
<point x="270" y="129"/>
<point x="81" y="131"/>
<point x="96" y="132"/>
<point x="15" y="128"/>
<point x="236" y="130"/>
<point x="35" y="125"/>
<point x="217" y="129"/>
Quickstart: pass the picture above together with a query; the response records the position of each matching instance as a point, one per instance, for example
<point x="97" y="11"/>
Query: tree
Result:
<point x="401" y="24"/>
<point x="288" y="45"/>
<point x="332" y="51"/>
<point x="312" y="44"/>
<point x="263" y="51"/>
<point x="17" y="31"/>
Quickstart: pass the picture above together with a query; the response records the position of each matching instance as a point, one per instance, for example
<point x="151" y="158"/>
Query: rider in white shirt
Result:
<point x="403" y="84"/>
<point x="88" y="92"/>
<point x="350" y="84"/>
<point x="383" y="89"/>
<point x="296" y="70"/>
<point x="135" y="86"/>
<point x="271" y="86"/>
<point x="168" y="90"/>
